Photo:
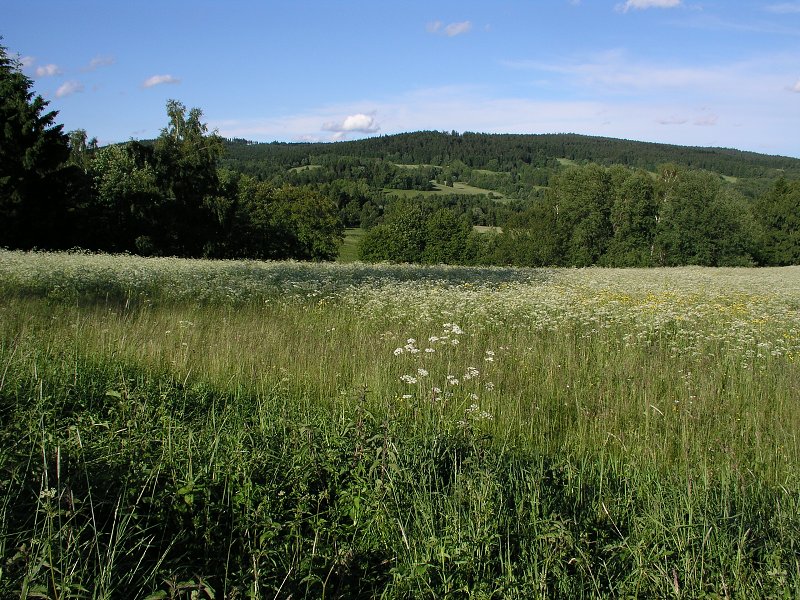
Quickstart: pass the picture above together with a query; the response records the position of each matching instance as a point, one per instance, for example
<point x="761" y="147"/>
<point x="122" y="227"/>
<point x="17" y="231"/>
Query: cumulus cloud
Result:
<point x="451" y="30"/>
<point x="26" y="61"/>
<point x="68" y="88"/>
<point x="358" y="123"/>
<point x="641" y="4"/>
<point x="159" y="80"/>
<point x="796" y="87"/>
<point x="100" y="61"/>
<point x="48" y="71"/>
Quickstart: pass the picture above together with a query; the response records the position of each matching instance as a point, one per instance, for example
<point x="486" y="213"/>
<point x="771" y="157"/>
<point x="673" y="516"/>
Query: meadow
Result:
<point x="214" y="429"/>
<point x="458" y="187"/>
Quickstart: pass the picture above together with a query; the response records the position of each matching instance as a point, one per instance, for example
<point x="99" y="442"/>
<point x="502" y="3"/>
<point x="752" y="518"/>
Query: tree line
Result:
<point x="507" y="152"/>
<point x="191" y="193"/>
<point x="609" y="216"/>
<point x="165" y="197"/>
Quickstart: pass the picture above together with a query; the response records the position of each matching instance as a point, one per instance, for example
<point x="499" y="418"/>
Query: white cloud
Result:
<point x="451" y="30"/>
<point x="755" y="122"/>
<point x="159" y="80"/>
<point x="457" y="28"/>
<point x="616" y="73"/>
<point x="784" y="8"/>
<point x="48" y="70"/>
<point x="796" y="87"/>
<point x="68" y="88"/>
<point x="358" y="123"/>
<point x="641" y="4"/>
<point x="100" y="61"/>
<point x="26" y="61"/>
<point x="707" y="120"/>
<point x="672" y="121"/>
<point x="433" y="26"/>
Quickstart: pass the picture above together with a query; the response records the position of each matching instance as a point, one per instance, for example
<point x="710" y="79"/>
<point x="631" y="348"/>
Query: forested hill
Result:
<point x="506" y="152"/>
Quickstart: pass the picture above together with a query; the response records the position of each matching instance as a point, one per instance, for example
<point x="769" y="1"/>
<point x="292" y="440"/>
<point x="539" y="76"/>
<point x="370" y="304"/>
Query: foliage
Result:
<point x="34" y="185"/>
<point x="778" y="214"/>
<point x="506" y="153"/>
<point x="412" y="232"/>
<point x="700" y="223"/>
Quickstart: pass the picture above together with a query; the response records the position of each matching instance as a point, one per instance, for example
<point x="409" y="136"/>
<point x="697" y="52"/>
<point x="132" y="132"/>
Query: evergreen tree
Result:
<point x="33" y="149"/>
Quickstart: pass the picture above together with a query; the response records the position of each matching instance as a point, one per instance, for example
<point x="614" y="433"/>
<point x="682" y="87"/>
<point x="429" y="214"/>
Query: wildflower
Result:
<point x="476" y="414"/>
<point x="409" y="379"/>
<point x="430" y="350"/>
<point x="398" y="351"/>
<point x="407" y="396"/>
<point x="422" y="372"/>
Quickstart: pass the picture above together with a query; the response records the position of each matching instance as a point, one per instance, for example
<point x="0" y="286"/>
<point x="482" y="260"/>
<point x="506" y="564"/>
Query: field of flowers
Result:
<point x="176" y="428"/>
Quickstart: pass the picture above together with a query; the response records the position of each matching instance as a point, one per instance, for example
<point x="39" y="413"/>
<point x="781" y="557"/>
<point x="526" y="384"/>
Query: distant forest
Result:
<point x="507" y="153"/>
<point x="560" y="199"/>
<point x="431" y="197"/>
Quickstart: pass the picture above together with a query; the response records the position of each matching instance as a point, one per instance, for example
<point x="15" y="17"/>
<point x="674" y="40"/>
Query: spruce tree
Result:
<point x="33" y="149"/>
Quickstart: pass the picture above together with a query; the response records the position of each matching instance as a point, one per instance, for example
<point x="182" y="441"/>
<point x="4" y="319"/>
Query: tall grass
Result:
<point x="221" y="429"/>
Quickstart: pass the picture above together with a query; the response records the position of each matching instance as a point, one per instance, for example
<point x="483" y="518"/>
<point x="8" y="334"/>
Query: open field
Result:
<point x="443" y="190"/>
<point x="352" y="238"/>
<point x="230" y="429"/>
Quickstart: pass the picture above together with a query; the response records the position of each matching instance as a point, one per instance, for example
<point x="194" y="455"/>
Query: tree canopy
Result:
<point x="33" y="150"/>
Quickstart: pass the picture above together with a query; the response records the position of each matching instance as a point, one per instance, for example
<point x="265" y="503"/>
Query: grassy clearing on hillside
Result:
<point x="302" y="168"/>
<point x="349" y="251"/>
<point x="224" y="429"/>
<point x="444" y="190"/>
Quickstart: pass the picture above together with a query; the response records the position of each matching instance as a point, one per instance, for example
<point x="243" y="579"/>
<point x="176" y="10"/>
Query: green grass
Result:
<point x="304" y="168"/>
<point x="442" y="190"/>
<point x="177" y="429"/>
<point x="487" y="229"/>
<point x="349" y="249"/>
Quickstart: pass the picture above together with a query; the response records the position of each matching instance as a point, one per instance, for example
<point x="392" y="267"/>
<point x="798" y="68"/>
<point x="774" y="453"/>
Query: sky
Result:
<point x="691" y="72"/>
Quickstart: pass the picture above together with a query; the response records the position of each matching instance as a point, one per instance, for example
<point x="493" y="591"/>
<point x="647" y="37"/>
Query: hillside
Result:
<point x="508" y="152"/>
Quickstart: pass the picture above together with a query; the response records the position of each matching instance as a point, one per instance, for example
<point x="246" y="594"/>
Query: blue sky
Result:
<point x="694" y="72"/>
